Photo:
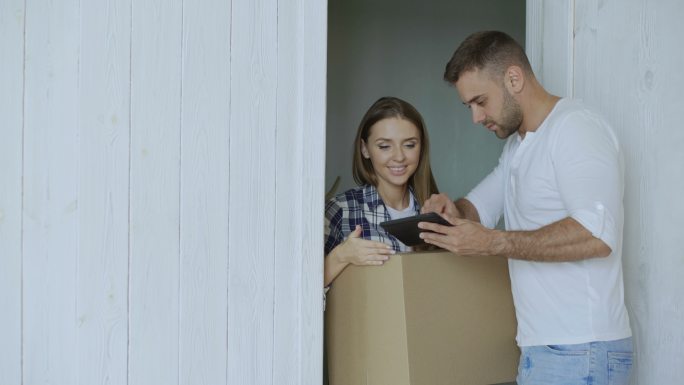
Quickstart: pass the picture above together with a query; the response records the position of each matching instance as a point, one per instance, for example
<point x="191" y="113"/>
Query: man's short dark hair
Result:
<point x="493" y="51"/>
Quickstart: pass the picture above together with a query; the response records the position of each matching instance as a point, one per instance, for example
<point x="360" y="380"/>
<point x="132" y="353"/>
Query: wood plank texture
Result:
<point x="104" y="139"/>
<point x="50" y="216"/>
<point x="313" y="121"/>
<point x="534" y="34"/>
<point x="299" y="172"/>
<point x="162" y="197"/>
<point x="11" y="129"/>
<point x="252" y="192"/>
<point x="288" y="183"/>
<point x="628" y="66"/>
<point x="549" y="43"/>
<point x="625" y="65"/>
<point x="204" y="192"/>
<point x="155" y="192"/>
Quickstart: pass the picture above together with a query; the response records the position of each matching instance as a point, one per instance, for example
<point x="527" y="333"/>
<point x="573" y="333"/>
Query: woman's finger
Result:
<point x="376" y="257"/>
<point x="374" y="244"/>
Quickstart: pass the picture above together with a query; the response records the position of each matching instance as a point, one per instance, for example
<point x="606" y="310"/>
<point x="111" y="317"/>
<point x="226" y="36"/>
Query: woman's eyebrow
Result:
<point x="389" y="140"/>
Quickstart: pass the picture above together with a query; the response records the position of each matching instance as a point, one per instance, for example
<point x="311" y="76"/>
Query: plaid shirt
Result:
<point x="359" y="206"/>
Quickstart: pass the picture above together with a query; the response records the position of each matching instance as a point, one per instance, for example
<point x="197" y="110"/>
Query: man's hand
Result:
<point x="465" y="237"/>
<point x="440" y="204"/>
<point x="562" y="241"/>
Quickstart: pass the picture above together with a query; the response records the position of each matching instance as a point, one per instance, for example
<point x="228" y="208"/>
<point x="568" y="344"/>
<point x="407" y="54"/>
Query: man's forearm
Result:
<point x="562" y="241"/>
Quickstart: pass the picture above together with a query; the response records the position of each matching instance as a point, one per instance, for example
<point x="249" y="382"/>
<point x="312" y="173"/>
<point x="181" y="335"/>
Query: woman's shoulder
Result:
<point x="355" y="194"/>
<point x="351" y="199"/>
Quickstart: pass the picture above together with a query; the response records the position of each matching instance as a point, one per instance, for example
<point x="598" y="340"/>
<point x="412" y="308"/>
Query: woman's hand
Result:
<point x="356" y="251"/>
<point x="359" y="251"/>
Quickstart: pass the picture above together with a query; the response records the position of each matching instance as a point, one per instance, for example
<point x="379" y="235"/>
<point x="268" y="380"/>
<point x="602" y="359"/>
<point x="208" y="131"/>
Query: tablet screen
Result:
<point x="406" y="229"/>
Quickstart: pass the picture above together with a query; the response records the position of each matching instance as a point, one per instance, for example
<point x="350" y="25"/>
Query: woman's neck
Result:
<point x="394" y="196"/>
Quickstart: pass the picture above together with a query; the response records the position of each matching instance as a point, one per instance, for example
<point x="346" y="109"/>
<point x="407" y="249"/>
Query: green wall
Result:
<point x="399" y="48"/>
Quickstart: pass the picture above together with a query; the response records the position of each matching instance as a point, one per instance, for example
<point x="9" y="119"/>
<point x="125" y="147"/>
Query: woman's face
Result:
<point x="393" y="148"/>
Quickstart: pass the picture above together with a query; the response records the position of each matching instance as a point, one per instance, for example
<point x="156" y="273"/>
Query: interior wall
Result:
<point x="628" y="63"/>
<point x="624" y="63"/>
<point x="161" y="192"/>
<point x="400" y="48"/>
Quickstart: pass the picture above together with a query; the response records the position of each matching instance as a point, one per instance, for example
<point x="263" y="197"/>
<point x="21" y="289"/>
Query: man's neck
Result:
<point x="536" y="110"/>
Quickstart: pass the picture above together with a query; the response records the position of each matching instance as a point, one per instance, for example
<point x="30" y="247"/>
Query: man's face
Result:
<point x="490" y="103"/>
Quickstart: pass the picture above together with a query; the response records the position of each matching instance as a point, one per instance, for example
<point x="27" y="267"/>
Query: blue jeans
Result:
<point x="593" y="363"/>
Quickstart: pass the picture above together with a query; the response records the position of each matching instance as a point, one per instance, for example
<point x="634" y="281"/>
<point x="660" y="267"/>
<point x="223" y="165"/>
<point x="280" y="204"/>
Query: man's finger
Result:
<point x="427" y="207"/>
<point x="435" y="239"/>
<point x="456" y="221"/>
<point x="434" y="227"/>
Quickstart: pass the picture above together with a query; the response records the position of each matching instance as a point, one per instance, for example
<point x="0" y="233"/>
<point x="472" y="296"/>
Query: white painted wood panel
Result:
<point x="50" y="216"/>
<point x="534" y="34"/>
<point x="155" y="192"/>
<point x="313" y="24"/>
<point x="288" y="218"/>
<point x="549" y="43"/>
<point x="253" y="147"/>
<point x="298" y="260"/>
<point x="141" y="123"/>
<point x="11" y="128"/>
<point x="600" y="82"/>
<point x="204" y="192"/>
<point x="626" y="65"/>
<point x="104" y="139"/>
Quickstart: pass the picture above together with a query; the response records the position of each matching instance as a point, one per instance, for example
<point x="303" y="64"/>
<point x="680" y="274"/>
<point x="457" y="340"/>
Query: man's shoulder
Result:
<point x="573" y="111"/>
<point x="579" y="128"/>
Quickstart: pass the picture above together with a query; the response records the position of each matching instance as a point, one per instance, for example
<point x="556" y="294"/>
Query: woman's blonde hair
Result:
<point x="421" y="181"/>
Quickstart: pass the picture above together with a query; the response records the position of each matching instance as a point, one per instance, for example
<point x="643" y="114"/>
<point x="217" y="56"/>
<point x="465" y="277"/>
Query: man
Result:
<point x="559" y="186"/>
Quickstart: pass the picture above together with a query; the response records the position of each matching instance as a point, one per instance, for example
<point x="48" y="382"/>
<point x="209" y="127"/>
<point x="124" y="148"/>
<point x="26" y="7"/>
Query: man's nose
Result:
<point x="478" y="114"/>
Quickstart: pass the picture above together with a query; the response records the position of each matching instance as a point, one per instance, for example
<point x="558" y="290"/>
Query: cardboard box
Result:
<point x="422" y="319"/>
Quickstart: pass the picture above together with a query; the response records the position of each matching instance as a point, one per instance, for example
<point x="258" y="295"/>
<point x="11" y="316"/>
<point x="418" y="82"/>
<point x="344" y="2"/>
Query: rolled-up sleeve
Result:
<point x="589" y="172"/>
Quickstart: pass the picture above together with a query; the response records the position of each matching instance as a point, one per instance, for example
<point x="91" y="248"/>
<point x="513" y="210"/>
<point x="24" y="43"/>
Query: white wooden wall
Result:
<point x="625" y="58"/>
<point x="162" y="168"/>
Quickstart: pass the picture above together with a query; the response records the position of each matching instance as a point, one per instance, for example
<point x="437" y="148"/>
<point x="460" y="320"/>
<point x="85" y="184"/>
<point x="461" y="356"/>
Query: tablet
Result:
<point x="406" y="229"/>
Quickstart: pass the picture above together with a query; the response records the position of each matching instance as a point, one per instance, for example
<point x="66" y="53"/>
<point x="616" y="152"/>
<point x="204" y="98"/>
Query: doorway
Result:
<point x="399" y="48"/>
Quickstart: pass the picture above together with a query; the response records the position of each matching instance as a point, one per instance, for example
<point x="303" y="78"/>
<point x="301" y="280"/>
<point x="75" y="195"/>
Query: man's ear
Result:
<point x="364" y="149"/>
<point x="514" y="79"/>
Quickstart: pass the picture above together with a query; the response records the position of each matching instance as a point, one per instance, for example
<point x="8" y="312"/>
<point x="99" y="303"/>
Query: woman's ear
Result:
<point x="364" y="149"/>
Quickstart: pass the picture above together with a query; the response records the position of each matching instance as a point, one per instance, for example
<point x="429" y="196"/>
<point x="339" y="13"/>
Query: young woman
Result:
<point x="391" y="165"/>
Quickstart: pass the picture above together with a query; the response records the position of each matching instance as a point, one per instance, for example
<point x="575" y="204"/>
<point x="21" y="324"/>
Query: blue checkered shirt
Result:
<point x="359" y="206"/>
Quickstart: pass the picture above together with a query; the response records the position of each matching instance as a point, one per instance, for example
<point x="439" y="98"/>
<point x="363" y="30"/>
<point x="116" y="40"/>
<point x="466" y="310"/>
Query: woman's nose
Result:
<point x="399" y="154"/>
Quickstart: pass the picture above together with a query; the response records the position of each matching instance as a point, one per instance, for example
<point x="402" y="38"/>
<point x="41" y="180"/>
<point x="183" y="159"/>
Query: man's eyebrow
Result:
<point x="473" y="99"/>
